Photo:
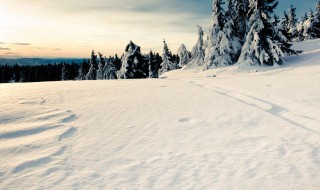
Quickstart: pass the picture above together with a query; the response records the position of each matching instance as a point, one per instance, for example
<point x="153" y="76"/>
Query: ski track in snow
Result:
<point x="258" y="103"/>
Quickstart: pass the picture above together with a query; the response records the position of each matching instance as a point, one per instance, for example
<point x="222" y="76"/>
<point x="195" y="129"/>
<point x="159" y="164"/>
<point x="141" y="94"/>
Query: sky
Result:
<point x="72" y="28"/>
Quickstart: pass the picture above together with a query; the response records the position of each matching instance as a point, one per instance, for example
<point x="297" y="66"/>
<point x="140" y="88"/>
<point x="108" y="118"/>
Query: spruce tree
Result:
<point x="309" y="30"/>
<point x="153" y="72"/>
<point x="223" y="48"/>
<point x="81" y="71"/>
<point x="101" y="65"/>
<point x="197" y="54"/>
<point x="282" y="37"/>
<point x="285" y="21"/>
<point x="91" y="75"/>
<point x="317" y="20"/>
<point x="215" y="34"/>
<point x="183" y="56"/>
<point x="240" y="18"/>
<point x="132" y="63"/>
<point x="166" y="64"/>
<point x="63" y="72"/>
<point x="292" y="24"/>
<point x="261" y="46"/>
<point x="109" y="70"/>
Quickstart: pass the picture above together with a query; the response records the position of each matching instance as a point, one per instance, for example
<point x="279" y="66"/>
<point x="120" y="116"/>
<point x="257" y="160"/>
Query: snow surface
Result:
<point x="228" y="128"/>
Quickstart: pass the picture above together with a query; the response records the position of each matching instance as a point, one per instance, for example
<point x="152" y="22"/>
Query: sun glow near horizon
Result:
<point x="43" y="28"/>
<point x="39" y="30"/>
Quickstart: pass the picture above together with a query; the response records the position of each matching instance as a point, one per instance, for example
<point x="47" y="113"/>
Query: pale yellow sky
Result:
<point x="72" y="28"/>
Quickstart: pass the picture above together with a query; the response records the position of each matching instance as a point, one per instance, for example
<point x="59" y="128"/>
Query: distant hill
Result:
<point x="38" y="61"/>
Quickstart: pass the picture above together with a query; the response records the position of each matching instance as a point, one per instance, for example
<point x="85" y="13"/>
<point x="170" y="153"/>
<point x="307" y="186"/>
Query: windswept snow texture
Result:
<point x="222" y="129"/>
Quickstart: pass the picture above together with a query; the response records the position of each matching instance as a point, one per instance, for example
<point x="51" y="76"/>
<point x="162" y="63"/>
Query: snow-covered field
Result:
<point x="221" y="129"/>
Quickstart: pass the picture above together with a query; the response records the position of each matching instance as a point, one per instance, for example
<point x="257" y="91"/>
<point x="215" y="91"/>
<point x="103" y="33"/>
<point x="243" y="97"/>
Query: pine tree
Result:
<point x="91" y="75"/>
<point x="81" y="71"/>
<point x="132" y="63"/>
<point x="232" y="41"/>
<point x="166" y="64"/>
<point x="261" y="46"/>
<point x="309" y="31"/>
<point x="292" y="24"/>
<point x="101" y="65"/>
<point x="282" y="37"/>
<point x="197" y="54"/>
<point x="285" y="21"/>
<point x="317" y="20"/>
<point x="63" y="72"/>
<point x="222" y="47"/>
<point x="215" y="35"/>
<point x="240" y="18"/>
<point x="183" y="56"/>
<point x="109" y="70"/>
<point x="153" y="72"/>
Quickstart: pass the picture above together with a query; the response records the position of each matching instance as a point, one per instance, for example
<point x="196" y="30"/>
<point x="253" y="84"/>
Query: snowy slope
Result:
<point x="243" y="129"/>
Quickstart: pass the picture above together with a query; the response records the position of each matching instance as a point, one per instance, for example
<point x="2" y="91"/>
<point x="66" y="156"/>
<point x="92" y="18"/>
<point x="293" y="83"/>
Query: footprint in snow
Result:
<point x="184" y="120"/>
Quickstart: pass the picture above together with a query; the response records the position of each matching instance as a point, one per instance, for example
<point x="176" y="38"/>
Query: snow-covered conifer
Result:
<point x="292" y="24"/>
<point x="197" y="54"/>
<point x="317" y="20"/>
<point x="282" y="37"/>
<point x="261" y="46"/>
<point x="63" y="72"/>
<point x="166" y="64"/>
<point x="285" y="21"/>
<point x="91" y="75"/>
<point x="81" y="75"/>
<point x="109" y="70"/>
<point x="309" y="30"/>
<point x="132" y="63"/>
<point x="222" y="47"/>
<point x="153" y="71"/>
<point x="81" y="71"/>
<point x="183" y="55"/>
<point x="240" y="18"/>
<point x="101" y="65"/>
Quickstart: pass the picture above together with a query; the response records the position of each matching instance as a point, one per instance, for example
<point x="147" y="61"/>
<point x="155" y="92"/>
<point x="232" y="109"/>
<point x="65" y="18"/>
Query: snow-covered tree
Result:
<point x="91" y="75"/>
<point x="232" y="41"/>
<point x="153" y="70"/>
<point x="261" y="46"/>
<point x="309" y="30"/>
<point x="81" y="75"/>
<point x="109" y="70"/>
<point x="215" y="35"/>
<point x="317" y="20"/>
<point x="240" y="18"/>
<point x="282" y="37"/>
<point x="222" y="47"/>
<point x="63" y="72"/>
<point x="292" y="24"/>
<point x="101" y="64"/>
<point x="197" y="54"/>
<point x="132" y="63"/>
<point x="285" y="21"/>
<point x="183" y="55"/>
<point x="166" y="64"/>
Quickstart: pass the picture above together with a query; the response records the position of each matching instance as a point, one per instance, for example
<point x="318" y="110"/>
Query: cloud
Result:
<point x="2" y="43"/>
<point x="22" y="44"/>
<point x="2" y="49"/>
<point x="57" y="49"/>
<point x="10" y="53"/>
